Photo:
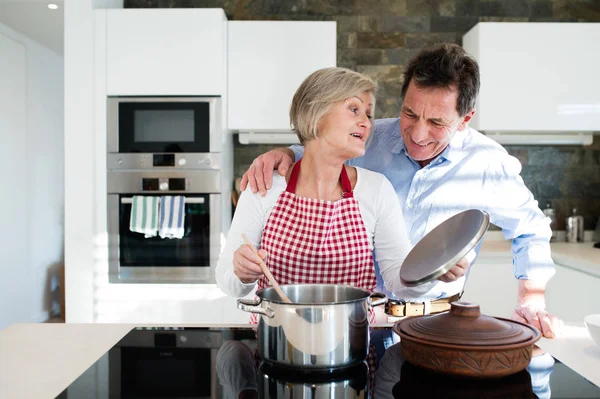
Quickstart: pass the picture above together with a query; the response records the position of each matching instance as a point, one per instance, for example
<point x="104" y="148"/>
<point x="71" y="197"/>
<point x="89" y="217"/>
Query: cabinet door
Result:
<point x="570" y="294"/>
<point x="492" y="285"/>
<point x="267" y="62"/>
<point x="166" y="52"/>
<point x="549" y="65"/>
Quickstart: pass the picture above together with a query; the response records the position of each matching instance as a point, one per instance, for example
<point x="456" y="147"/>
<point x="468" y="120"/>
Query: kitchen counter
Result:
<point x="582" y="257"/>
<point x="576" y="349"/>
<point x="41" y="360"/>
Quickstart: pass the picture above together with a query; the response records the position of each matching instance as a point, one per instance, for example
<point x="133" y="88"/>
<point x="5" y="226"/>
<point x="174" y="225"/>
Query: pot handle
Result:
<point x="382" y="299"/>
<point x="251" y="306"/>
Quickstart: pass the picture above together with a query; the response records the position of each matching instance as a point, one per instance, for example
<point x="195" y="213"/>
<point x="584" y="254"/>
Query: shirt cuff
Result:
<point x="470" y="257"/>
<point x="534" y="263"/>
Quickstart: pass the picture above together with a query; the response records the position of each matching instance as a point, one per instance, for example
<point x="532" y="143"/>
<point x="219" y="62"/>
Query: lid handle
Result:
<point x="465" y="309"/>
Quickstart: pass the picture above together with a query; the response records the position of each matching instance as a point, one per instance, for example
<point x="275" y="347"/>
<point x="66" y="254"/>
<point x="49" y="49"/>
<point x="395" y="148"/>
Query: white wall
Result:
<point x="31" y="167"/>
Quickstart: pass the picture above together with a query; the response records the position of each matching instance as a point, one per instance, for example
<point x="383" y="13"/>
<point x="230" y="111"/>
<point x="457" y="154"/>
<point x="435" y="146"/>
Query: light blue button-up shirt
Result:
<point x="473" y="172"/>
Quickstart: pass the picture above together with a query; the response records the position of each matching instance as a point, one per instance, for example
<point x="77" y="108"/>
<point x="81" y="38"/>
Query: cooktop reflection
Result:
<point x="221" y="363"/>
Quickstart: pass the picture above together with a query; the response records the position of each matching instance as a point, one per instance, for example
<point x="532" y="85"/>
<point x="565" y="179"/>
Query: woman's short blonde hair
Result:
<point x="319" y="91"/>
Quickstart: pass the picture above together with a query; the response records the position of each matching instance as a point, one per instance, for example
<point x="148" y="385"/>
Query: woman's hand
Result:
<point x="246" y="264"/>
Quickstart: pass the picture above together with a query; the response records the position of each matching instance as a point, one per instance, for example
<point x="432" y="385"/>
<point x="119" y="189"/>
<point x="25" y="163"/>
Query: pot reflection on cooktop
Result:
<point x="221" y="363"/>
<point x="240" y="376"/>
<point x="415" y="383"/>
<point x="543" y="378"/>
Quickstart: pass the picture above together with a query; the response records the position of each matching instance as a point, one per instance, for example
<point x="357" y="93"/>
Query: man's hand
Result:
<point x="457" y="271"/>
<point x="531" y="309"/>
<point x="260" y="174"/>
<point x="246" y="264"/>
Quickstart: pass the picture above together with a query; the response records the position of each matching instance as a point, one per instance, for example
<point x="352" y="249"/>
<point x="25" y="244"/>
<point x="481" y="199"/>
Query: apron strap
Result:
<point x="346" y="185"/>
<point x="291" y="186"/>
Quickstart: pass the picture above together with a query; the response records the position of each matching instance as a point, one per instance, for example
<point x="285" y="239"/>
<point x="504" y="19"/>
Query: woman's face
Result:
<point x="347" y="126"/>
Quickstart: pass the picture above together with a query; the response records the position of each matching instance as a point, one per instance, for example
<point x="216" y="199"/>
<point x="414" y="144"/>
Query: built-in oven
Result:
<point x="134" y="258"/>
<point x="158" y="363"/>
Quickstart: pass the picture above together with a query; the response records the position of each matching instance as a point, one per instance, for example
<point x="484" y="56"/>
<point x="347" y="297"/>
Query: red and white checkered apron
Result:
<point x="311" y="241"/>
<point x="315" y="241"/>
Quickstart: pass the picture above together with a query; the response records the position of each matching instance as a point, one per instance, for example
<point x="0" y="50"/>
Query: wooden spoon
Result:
<point x="266" y="271"/>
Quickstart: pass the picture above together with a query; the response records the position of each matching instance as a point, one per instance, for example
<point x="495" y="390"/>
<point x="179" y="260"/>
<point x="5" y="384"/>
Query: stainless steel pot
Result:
<point x="325" y="326"/>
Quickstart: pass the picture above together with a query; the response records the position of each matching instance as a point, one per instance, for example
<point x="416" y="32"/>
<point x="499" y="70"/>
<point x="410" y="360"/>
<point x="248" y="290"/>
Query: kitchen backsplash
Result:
<point x="378" y="37"/>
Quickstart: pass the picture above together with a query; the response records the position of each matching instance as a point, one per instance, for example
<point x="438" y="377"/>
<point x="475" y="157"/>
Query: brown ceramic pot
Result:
<point x="465" y="342"/>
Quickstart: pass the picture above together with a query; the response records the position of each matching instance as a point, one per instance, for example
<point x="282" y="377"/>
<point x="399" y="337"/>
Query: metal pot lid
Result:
<point x="464" y="325"/>
<point x="443" y="246"/>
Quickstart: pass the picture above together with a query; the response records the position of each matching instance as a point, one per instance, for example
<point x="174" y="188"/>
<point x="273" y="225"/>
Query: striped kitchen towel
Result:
<point x="172" y="211"/>
<point x="144" y="215"/>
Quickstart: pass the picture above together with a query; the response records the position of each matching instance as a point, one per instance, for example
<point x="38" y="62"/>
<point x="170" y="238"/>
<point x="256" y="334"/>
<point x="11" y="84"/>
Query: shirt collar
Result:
<point x="454" y="151"/>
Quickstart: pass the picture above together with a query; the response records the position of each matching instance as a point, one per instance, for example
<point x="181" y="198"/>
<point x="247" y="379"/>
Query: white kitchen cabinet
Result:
<point x="267" y="62"/>
<point x="166" y="51"/>
<point x="571" y="294"/>
<point x="491" y="284"/>
<point x="164" y="303"/>
<point x="536" y="77"/>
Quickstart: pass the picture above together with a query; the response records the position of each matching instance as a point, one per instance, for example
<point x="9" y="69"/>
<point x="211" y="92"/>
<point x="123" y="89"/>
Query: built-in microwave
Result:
<point x="176" y="126"/>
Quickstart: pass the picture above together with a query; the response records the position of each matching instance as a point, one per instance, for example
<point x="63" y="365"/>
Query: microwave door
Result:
<point x="164" y="125"/>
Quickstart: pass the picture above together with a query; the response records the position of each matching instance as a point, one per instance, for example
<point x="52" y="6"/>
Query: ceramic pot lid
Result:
<point x="443" y="246"/>
<point x="464" y="325"/>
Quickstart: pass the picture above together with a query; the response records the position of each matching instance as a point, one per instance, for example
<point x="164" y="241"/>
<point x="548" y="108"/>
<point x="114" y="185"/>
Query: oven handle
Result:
<point x="190" y="200"/>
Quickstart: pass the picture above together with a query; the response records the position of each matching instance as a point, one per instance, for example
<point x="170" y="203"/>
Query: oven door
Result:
<point x="166" y="373"/>
<point x="177" y="364"/>
<point x="163" y="125"/>
<point x="191" y="259"/>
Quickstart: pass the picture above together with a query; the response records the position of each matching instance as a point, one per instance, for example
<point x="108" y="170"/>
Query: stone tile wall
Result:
<point x="378" y="37"/>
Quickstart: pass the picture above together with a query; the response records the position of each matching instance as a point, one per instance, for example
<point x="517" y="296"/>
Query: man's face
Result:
<point x="429" y="120"/>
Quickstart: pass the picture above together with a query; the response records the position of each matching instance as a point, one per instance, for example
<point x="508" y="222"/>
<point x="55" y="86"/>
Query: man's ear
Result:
<point x="466" y="119"/>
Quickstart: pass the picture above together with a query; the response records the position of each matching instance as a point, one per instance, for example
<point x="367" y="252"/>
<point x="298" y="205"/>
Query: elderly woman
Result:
<point x="321" y="222"/>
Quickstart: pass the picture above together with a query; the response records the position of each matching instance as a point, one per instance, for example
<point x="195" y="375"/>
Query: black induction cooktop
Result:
<point x="222" y="363"/>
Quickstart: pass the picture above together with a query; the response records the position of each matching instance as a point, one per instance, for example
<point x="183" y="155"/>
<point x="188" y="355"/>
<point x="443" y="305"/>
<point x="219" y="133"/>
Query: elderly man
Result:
<point x="439" y="166"/>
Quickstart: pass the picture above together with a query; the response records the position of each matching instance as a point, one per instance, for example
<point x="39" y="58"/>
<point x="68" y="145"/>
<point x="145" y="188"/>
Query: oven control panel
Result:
<point x="164" y="161"/>
<point x="164" y="184"/>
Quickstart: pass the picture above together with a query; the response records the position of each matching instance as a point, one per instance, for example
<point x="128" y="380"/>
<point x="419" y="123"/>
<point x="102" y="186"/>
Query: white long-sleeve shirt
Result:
<point x="379" y="208"/>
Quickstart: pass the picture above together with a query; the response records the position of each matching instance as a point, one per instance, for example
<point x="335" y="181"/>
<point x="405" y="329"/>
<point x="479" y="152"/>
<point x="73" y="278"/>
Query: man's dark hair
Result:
<point x="445" y="65"/>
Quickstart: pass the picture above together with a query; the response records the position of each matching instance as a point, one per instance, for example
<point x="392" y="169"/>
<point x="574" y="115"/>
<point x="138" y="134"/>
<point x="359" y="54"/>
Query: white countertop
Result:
<point x="578" y="256"/>
<point x="40" y="360"/>
<point x="577" y="350"/>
